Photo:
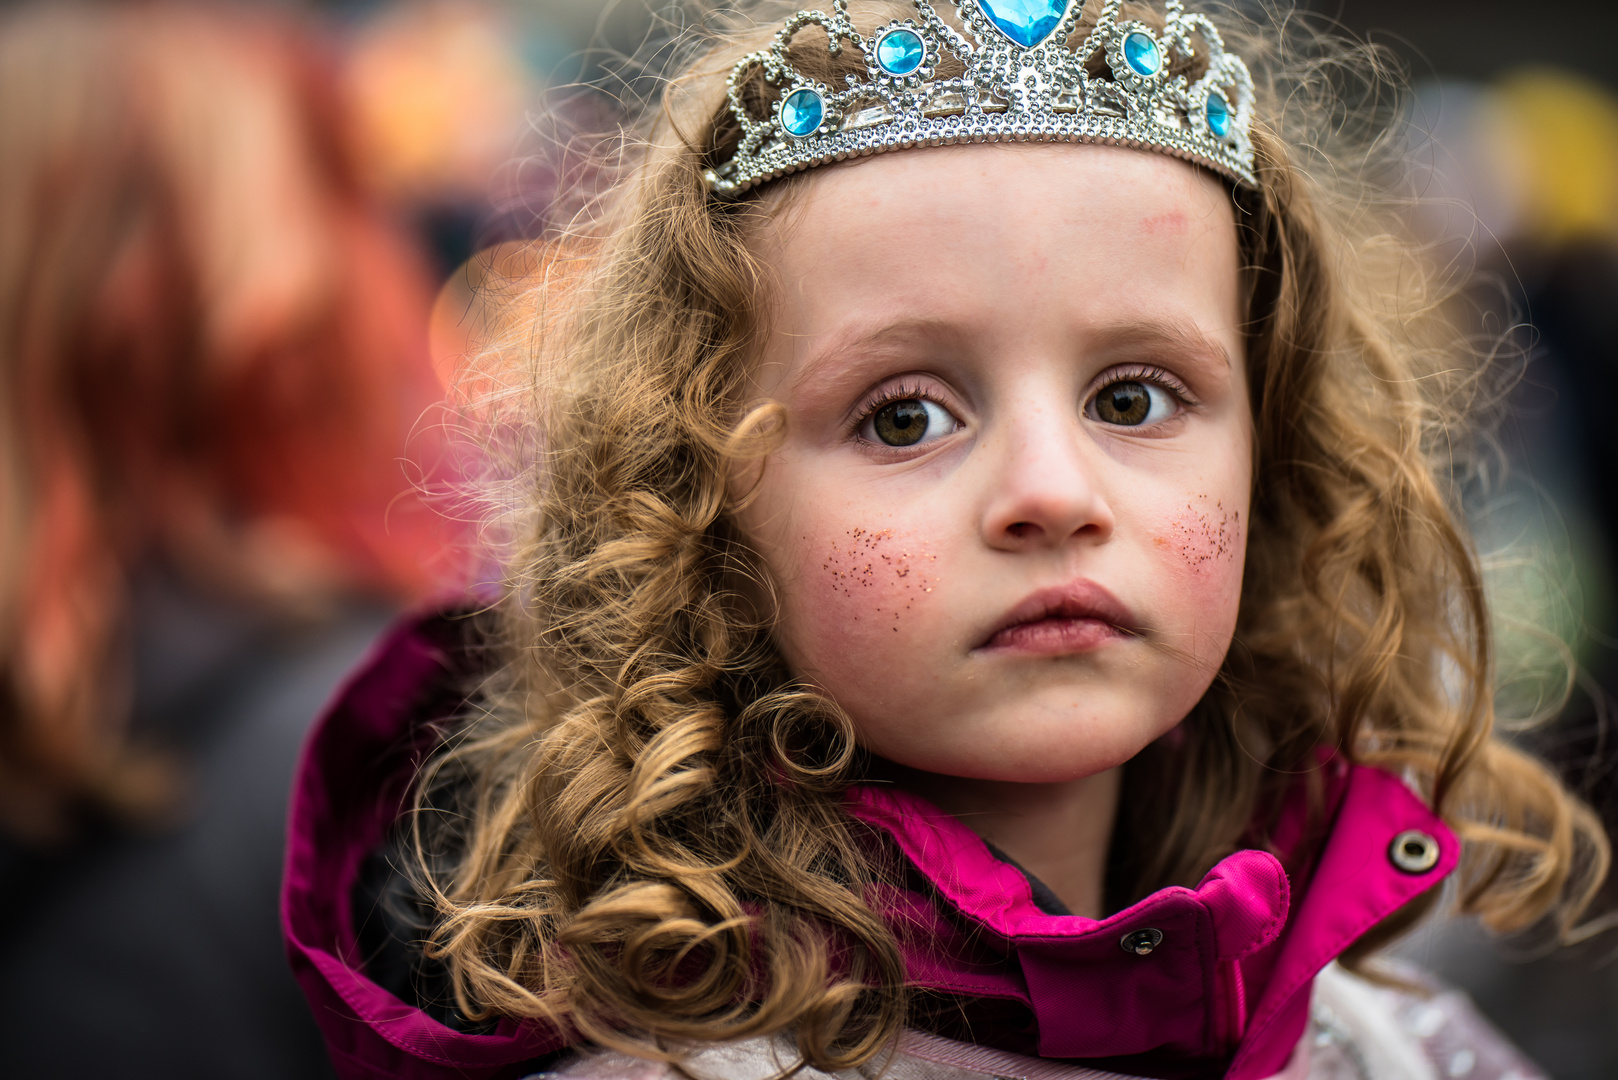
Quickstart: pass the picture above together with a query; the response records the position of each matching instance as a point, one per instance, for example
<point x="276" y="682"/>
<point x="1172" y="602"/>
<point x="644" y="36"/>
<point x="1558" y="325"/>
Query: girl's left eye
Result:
<point x="908" y="422"/>
<point x="1133" y="403"/>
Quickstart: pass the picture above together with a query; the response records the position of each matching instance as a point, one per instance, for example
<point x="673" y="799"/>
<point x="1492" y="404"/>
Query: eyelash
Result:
<point x="902" y="392"/>
<point x="1141" y="373"/>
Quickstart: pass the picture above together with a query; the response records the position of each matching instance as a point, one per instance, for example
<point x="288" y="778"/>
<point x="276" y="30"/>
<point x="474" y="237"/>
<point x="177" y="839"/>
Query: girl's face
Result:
<point x="1009" y="514"/>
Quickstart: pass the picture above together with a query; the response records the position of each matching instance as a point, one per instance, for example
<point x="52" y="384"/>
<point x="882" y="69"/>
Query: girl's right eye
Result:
<point x="908" y="422"/>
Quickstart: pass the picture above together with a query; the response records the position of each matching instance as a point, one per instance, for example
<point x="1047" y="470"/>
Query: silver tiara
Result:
<point x="1021" y="83"/>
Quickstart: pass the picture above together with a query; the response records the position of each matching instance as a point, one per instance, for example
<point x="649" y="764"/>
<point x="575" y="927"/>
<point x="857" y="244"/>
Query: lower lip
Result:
<point x="1054" y="637"/>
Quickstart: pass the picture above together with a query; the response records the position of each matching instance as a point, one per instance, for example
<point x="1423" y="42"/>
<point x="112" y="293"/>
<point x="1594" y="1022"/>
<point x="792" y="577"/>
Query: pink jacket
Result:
<point x="1211" y="981"/>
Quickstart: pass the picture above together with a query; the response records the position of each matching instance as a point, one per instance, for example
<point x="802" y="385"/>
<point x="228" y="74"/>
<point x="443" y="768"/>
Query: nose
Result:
<point x="1044" y="485"/>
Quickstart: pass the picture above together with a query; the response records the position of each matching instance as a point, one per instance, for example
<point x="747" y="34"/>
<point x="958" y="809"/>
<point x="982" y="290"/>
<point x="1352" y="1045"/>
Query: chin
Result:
<point x="1024" y="762"/>
<point x="1051" y="733"/>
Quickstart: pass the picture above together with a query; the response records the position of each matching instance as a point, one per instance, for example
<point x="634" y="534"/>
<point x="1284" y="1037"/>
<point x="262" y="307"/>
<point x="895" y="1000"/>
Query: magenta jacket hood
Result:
<point x="1211" y="981"/>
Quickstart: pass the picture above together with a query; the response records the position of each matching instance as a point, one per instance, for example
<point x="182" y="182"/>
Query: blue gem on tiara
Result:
<point x="900" y="51"/>
<point x="1027" y="22"/>
<point x="802" y="112"/>
<point x="1218" y="113"/>
<point x="1142" y="54"/>
<point x="1160" y="96"/>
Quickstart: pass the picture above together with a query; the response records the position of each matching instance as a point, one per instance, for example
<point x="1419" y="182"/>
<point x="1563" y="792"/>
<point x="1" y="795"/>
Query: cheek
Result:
<point x="1201" y="549"/>
<point x="1205" y="539"/>
<point x="860" y="588"/>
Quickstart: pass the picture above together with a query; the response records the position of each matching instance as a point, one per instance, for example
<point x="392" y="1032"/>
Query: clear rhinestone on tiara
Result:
<point x="1021" y="83"/>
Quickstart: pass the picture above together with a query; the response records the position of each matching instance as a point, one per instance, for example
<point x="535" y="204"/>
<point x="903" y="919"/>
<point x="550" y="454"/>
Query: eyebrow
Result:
<point x="860" y="339"/>
<point x="855" y="341"/>
<point x="1179" y="336"/>
<point x="1148" y="335"/>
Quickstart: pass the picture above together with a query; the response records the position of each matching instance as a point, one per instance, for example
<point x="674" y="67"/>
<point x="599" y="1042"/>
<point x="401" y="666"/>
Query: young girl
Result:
<point x="987" y="607"/>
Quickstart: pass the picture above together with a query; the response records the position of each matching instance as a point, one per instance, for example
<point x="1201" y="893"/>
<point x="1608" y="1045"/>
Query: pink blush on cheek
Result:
<point x="1201" y="554"/>
<point x="1204" y="539"/>
<point x="875" y="576"/>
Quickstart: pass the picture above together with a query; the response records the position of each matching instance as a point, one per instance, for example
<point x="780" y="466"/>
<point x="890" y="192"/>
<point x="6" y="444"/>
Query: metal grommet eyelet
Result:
<point x="1141" y="942"/>
<point x="1413" y="851"/>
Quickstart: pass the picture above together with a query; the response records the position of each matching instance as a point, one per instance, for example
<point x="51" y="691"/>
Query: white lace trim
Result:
<point x="1358" y="1031"/>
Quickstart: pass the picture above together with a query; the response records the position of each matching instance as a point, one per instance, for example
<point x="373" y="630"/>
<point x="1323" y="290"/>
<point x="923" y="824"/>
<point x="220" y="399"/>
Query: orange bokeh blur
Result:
<point x="213" y="352"/>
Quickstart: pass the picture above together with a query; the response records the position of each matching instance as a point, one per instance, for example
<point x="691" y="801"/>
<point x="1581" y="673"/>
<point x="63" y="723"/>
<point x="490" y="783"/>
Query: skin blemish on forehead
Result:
<point x="1173" y="222"/>
<point x="1204" y="536"/>
<point x="877" y="565"/>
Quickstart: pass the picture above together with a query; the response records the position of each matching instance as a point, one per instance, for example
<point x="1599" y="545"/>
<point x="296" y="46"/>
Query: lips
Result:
<point x="1072" y="618"/>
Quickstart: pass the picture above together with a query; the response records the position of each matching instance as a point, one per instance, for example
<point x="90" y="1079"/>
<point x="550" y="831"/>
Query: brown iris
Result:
<point x="1124" y="403"/>
<point x="901" y="423"/>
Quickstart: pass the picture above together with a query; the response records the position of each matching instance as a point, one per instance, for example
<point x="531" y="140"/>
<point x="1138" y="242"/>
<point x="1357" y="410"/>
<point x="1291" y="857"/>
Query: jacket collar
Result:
<point x="1229" y="981"/>
<point x="350" y="787"/>
<point x="1220" y="972"/>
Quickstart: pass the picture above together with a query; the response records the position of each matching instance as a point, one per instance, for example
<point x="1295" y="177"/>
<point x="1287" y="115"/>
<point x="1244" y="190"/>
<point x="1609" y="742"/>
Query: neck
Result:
<point x="1057" y="832"/>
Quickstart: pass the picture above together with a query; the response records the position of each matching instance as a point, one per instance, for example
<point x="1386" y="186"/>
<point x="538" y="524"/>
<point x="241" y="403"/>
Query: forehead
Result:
<point x="986" y="239"/>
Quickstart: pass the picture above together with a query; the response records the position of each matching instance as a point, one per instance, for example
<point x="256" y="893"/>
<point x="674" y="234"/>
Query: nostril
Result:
<point x="1021" y="529"/>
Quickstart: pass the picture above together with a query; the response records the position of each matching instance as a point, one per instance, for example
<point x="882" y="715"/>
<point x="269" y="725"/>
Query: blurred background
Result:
<point x="1513" y="152"/>
<point x="242" y="250"/>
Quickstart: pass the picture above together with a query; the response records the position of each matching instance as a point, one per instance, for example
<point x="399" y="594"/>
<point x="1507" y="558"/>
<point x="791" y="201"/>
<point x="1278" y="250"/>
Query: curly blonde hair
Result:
<point x="640" y="836"/>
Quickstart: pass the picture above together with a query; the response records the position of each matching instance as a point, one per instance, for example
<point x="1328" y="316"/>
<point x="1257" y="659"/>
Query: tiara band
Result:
<point x="1020" y="83"/>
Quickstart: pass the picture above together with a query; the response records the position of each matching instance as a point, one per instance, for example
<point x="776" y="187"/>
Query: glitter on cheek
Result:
<point x="1199" y="553"/>
<point x="1204" y="538"/>
<point x="878" y="574"/>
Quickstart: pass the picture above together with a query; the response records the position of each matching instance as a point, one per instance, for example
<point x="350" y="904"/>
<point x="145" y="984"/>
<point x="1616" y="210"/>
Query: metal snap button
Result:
<point x="1141" y="942"/>
<point x="1413" y="851"/>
